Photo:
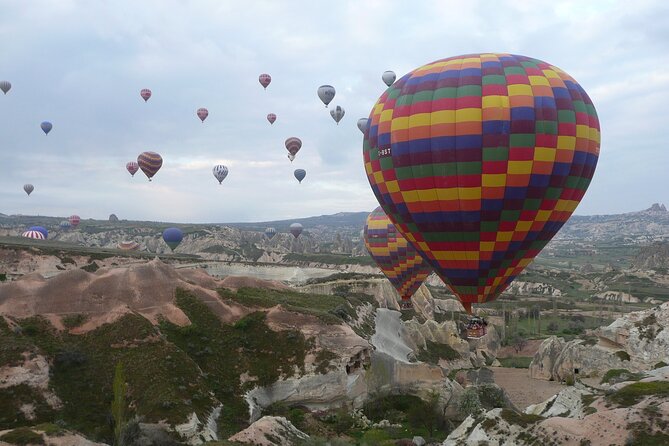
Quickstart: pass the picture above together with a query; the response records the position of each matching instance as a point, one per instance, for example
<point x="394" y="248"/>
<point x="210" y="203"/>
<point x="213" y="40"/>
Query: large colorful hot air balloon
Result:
<point x="65" y="224"/>
<point x="28" y="188"/>
<point x="326" y="93"/>
<point x="362" y="124"/>
<point x="398" y="260"/>
<point x="33" y="234"/>
<point x="271" y="117"/>
<point x="150" y="163"/>
<point x="46" y="127"/>
<point x="202" y="113"/>
<point x="300" y="174"/>
<point x="479" y="160"/>
<point x="145" y="93"/>
<point x="388" y="77"/>
<point x="265" y="80"/>
<point x="173" y="237"/>
<point x="41" y="229"/>
<point x="270" y="232"/>
<point x="220" y="172"/>
<point x="296" y="229"/>
<point x="337" y="113"/>
<point x="293" y="145"/>
<point x="132" y="167"/>
<point x="74" y="220"/>
<point x="5" y="86"/>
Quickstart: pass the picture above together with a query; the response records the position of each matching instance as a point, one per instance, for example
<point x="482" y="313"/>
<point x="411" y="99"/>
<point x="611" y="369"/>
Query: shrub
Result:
<point x="633" y="393"/>
<point x="619" y="375"/>
<point x="22" y="436"/>
<point x="622" y="355"/>
<point x="470" y="404"/>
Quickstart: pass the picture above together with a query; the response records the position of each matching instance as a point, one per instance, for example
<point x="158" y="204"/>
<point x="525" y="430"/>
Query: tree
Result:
<point x="428" y="414"/>
<point x="118" y="403"/>
<point x="519" y="343"/>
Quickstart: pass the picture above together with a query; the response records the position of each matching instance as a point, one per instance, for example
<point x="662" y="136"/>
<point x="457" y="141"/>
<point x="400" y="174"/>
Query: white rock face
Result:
<point x="392" y="337"/>
<point x="528" y="288"/>
<point x="196" y="432"/>
<point x="270" y="431"/>
<point x="567" y="403"/>
<point x="34" y="373"/>
<point x="616" y="296"/>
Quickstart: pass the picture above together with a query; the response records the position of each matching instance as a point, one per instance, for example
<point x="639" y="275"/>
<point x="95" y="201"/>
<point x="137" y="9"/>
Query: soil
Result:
<point x="522" y="389"/>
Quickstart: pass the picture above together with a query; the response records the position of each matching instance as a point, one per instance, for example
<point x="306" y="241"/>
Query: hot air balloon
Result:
<point x="337" y="113"/>
<point x="74" y="220"/>
<point x="145" y="94"/>
<point x="150" y="163"/>
<point x="270" y="232"/>
<point x="113" y="218"/>
<point x="300" y="174"/>
<point x="293" y="145"/>
<point x="388" y="77"/>
<point x="220" y="172"/>
<point x="173" y="237"/>
<point x="5" y="86"/>
<point x="291" y="157"/>
<point x="264" y="80"/>
<point x="202" y="113"/>
<point x="398" y="260"/>
<point x="65" y="225"/>
<point x="362" y="124"/>
<point x="128" y="246"/>
<point x="132" y="167"/>
<point x="41" y="229"/>
<point x="296" y="229"/>
<point x="46" y="127"/>
<point x="326" y="93"/>
<point x="34" y="235"/>
<point x="271" y="117"/>
<point x="28" y="188"/>
<point x="479" y="160"/>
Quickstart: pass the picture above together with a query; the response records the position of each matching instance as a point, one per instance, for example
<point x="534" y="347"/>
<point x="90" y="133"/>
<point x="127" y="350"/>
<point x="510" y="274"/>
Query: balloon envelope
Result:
<point x="46" y="127"/>
<point x="326" y="93"/>
<point x="293" y="145"/>
<point x="65" y="224"/>
<point x="28" y="188"/>
<point x="270" y="232"/>
<point x="388" y="77"/>
<point x="173" y="236"/>
<point x="132" y="167"/>
<point x="150" y="163"/>
<point x="41" y="229"/>
<point x="271" y="117"/>
<point x="482" y="184"/>
<point x="362" y="124"/>
<point x="5" y="86"/>
<point x="145" y="94"/>
<point x="300" y="174"/>
<point x="202" y="113"/>
<point x="337" y="113"/>
<point x="264" y="80"/>
<point x="296" y="229"/>
<point x="33" y="234"/>
<point x="74" y="220"/>
<point x="220" y="172"/>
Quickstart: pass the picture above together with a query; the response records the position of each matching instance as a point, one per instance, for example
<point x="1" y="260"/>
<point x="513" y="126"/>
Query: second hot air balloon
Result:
<point x="28" y="188"/>
<point x="202" y="113"/>
<point x="46" y="127"/>
<point x="300" y="174"/>
<point x="220" y="172"/>
<point x="296" y="229"/>
<point x="337" y="113"/>
<point x="150" y="163"/>
<point x="173" y="237"/>
<point x="132" y="167"/>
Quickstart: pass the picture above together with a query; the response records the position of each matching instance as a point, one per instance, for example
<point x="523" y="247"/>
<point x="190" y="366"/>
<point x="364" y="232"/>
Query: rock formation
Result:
<point x="270" y="431"/>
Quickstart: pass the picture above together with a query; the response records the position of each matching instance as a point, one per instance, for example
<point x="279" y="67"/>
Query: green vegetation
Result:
<point x="619" y="375"/>
<point x="323" y="358"/>
<point x="74" y="320"/>
<point x="517" y="362"/>
<point x="118" y="406"/>
<point x="330" y="259"/>
<point x="519" y="419"/>
<point x="635" y="392"/>
<point x="435" y="351"/>
<point x="22" y="436"/>
<point x="91" y="267"/>
<point x="220" y="249"/>
<point x="648" y="327"/>
<point x="342" y="276"/>
<point x="622" y="355"/>
<point x="660" y="364"/>
<point x="413" y="413"/>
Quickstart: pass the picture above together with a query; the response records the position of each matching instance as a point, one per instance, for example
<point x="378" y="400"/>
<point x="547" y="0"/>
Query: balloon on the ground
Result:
<point x="293" y="145"/>
<point x="479" y="160"/>
<point x="220" y="172"/>
<point x="271" y="117"/>
<point x="145" y="94"/>
<point x="128" y="246"/>
<point x="34" y="235"/>
<point x="270" y="232"/>
<point x="132" y="167"/>
<point x="396" y="257"/>
<point x="265" y="80"/>
<point x="41" y="229"/>
<point x="362" y="124"/>
<point x="65" y="224"/>
<point x="5" y="86"/>
<point x="300" y="174"/>
<point x="296" y="229"/>
<point x="173" y="237"/>
<point x="388" y="77"/>
<point x="337" y="113"/>
<point x="74" y="220"/>
<point x="150" y="163"/>
<point x="326" y="93"/>
<point x="202" y="113"/>
<point x="46" y="127"/>
<point x="28" y="188"/>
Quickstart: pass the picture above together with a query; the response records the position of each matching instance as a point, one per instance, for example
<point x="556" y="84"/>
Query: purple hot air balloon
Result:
<point x="264" y="80"/>
<point x="132" y="167"/>
<point x="145" y="94"/>
<point x="46" y="127"/>
<point x="293" y="145"/>
<point x="271" y="118"/>
<point x="150" y="163"/>
<point x="202" y="113"/>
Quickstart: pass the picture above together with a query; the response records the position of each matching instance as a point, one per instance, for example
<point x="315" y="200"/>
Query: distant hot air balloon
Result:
<point x="337" y="113"/>
<point x="202" y="113"/>
<point x="150" y="163"/>
<point x="34" y="235"/>
<point x="128" y="246"/>
<point x="293" y="145"/>
<point x="132" y="167"/>
<point x="28" y="188"/>
<point x="113" y="218"/>
<point x="388" y="77"/>
<point x="271" y="117"/>
<point x="326" y="93"/>
<point x="270" y="232"/>
<point x="396" y="257"/>
<point x="300" y="174"/>
<point x="65" y="224"/>
<point x="41" y="229"/>
<point x="5" y="86"/>
<point x="46" y="127"/>
<point x="479" y="160"/>
<point x="74" y="220"/>
<point x="291" y="157"/>
<point x="145" y="94"/>
<point x="220" y="172"/>
<point x="362" y="124"/>
<point x="173" y="237"/>
<point x="264" y="80"/>
<point x="296" y="229"/>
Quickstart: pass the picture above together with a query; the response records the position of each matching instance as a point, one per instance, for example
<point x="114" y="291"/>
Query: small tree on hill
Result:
<point x="119" y="403"/>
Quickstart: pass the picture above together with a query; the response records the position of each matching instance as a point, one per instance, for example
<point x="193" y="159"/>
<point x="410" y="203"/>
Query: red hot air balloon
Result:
<point x="271" y="118"/>
<point x="145" y="94"/>
<point x="479" y="160"/>
<point x="202" y="113"/>
<point x="132" y="167"/>
<point x="293" y="145"/>
<point x="150" y="163"/>
<point x="264" y="80"/>
<point x="74" y="221"/>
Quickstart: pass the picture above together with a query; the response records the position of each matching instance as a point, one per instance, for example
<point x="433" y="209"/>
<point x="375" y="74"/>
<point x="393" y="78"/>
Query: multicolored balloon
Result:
<point x="300" y="174"/>
<point x="65" y="224"/>
<point x="46" y="127"/>
<point x="337" y="113"/>
<point x="271" y="117"/>
<point x="265" y="79"/>
<point x="220" y="172"/>
<point x="74" y="220"/>
<point x="150" y="163"/>
<point x="28" y="188"/>
<point x="396" y="257"/>
<point x="293" y="145"/>
<point x="479" y="160"/>
<point x="363" y="124"/>
<point x="326" y="93"/>
<point x="296" y="229"/>
<point x="145" y="93"/>
<point x="132" y="167"/>
<point x="41" y="229"/>
<point x="5" y="86"/>
<point x="34" y="235"/>
<point x="270" y="232"/>
<point x="173" y="237"/>
<point x="128" y="246"/>
<point x="202" y="113"/>
<point x="388" y="77"/>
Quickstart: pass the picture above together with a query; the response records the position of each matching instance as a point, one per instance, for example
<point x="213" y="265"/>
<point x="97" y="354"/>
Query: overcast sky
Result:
<point x="81" y="65"/>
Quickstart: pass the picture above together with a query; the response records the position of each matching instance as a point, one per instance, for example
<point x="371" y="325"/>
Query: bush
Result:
<point x="470" y="404"/>
<point x="619" y="375"/>
<point x="622" y="355"/>
<point x="660" y="364"/>
<point x="22" y="436"/>
<point x="74" y="320"/>
<point x="633" y="393"/>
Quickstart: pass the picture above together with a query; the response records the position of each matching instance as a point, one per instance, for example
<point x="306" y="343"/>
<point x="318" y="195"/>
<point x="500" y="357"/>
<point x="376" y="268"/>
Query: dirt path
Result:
<point x="523" y="390"/>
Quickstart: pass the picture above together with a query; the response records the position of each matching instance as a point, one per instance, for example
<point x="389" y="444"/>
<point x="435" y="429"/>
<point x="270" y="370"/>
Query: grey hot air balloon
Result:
<point x="388" y="77"/>
<point x="46" y="127"/>
<point x="337" y="113"/>
<point x="270" y="232"/>
<point x="300" y="174"/>
<point x="5" y="86"/>
<point x="326" y="93"/>
<point x="29" y="188"/>
<point x="296" y="229"/>
<point x="220" y="172"/>
<point x="362" y="124"/>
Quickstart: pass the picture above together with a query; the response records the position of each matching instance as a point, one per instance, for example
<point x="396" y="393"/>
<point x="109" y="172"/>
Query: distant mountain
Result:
<point x="341" y="221"/>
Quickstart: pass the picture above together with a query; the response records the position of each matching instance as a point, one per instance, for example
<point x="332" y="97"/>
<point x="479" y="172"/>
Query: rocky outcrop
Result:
<point x="270" y="431"/>
<point x="532" y="288"/>
<point x="33" y="372"/>
<point x="568" y="403"/>
<point x="616" y="296"/>
<point x="195" y="431"/>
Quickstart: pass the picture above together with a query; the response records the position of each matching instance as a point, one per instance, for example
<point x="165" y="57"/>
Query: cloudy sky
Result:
<point x="81" y="65"/>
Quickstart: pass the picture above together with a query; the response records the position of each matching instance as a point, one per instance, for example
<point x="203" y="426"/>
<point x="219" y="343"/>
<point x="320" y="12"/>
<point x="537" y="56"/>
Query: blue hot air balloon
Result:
<point x="46" y="127"/>
<point x="270" y="232"/>
<point x="173" y="237"/>
<point x="40" y="229"/>
<point x="300" y="174"/>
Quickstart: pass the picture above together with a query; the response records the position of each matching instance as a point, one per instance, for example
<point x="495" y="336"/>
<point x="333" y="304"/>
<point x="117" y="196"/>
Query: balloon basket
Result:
<point x="406" y="305"/>
<point x="477" y="328"/>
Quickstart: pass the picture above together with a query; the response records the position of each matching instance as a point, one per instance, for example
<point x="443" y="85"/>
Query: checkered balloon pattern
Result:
<point x="479" y="160"/>
<point x="396" y="258"/>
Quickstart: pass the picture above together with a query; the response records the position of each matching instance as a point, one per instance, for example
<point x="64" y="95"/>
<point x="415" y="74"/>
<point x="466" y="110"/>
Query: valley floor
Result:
<point x="522" y="389"/>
